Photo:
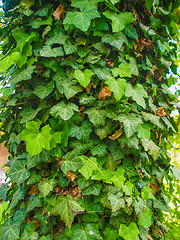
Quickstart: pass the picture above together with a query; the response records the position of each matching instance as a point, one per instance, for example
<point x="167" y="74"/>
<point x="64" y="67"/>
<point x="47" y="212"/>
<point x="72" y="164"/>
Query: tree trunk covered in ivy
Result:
<point x="85" y="111"/>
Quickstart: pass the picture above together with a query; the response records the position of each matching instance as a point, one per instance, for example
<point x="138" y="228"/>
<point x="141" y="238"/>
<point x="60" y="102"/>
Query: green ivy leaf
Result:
<point x="128" y="188"/>
<point x="99" y="150"/>
<point x="123" y="70"/>
<point x="71" y="162"/>
<point x="3" y="191"/>
<point x="110" y="233"/>
<point x="18" y="172"/>
<point x="151" y="147"/>
<point x="46" y="186"/>
<point x="89" y="232"/>
<point x="11" y="231"/>
<point x="85" y="4"/>
<point x="60" y="38"/>
<point x="34" y="201"/>
<point x="145" y="219"/>
<point x="33" y="161"/>
<point x="22" y="75"/>
<point x="47" y="51"/>
<point x="29" y="232"/>
<point x="18" y="195"/>
<point x="119" y="21"/>
<point x="147" y="193"/>
<point x="129" y="232"/>
<point x="137" y="93"/>
<point x="81" y="132"/>
<point x="81" y="20"/>
<point x="34" y="178"/>
<point x="83" y="78"/>
<point x="36" y="140"/>
<point x="116" y="40"/>
<point x="144" y="131"/>
<point x="133" y="66"/>
<point x="102" y="132"/>
<point x="160" y="204"/>
<point x="44" y="91"/>
<point x="28" y="114"/>
<point x="69" y="48"/>
<point x="116" y="202"/>
<point x="90" y="164"/>
<point x="152" y="118"/>
<point x="118" y="177"/>
<point x="65" y="206"/>
<point x="9" y="60"/>
<point x="131" y="123"/>
<point x="96" y="116"/>
<point x="64" y="111"/>
<point x="130" y="31"/>
<point x="117" y="86"/>
<point x="48" y="237"/>
<point x="93" y="189"/>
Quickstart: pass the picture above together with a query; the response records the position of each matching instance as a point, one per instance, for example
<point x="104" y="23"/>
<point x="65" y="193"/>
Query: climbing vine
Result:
<point x="85" y="111"/>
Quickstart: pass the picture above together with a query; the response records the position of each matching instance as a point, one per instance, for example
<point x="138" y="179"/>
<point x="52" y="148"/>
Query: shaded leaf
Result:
<point x="96" y="116"/>
<point x="151" y="147"/>
<point x="10" y="231"/>
<point x="18" y="172"/>
<point x="81" y="132"/>
<point x="22" y="75"/>
<point x="71" y="162"/>
<point x="64" y="111"/>
<point x="44" y="91"/>
<point x="116" y="40"/>
<point x="34" y="201"/>
<point x="116" y="202"/>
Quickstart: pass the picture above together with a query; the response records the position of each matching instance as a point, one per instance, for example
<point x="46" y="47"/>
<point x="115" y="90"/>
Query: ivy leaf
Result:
<point x="82" y="20"/>
<point x="133" y="66"/>
<point x="81" y="132"/>
<point x="29" y="232"/>
<point x="84" y="4"/>
<point x="102" y="132"/>
<point x="44" y="91"/>
<point x="65" y="207"/>
<point x="137" y="93"/>
<point x="71" y="90"/>
<point x="3" y="191"/>
<point x="60" y="38"/>
<point x="89" y="232"/>
<point x="11" y="231"/>
<point x="130" y="31"/>
<point x="71" y="162"/>
<point x="127" y="188"/>
<point x="19" y="195"/>
<point x="69" y="48"/>
<point x="34" y="201"/>
<point x="152" y="118"/>
<point x="160" y="204"/>
<point x="119" y="21"/>
<point x="28" y="114"/>
<point x="131" y="123"/>
<point x="117" y="86"/>
<point x="83" y="78"/>
<point x="167" y="122"/>
<point x="118" y="177"/>
<point x="96" y="116"/>
<point x="144" y="131"/>
<point x="64" y="111"/>
<point x="18" y="172"/>
<point x="33" y="161"/>
<point x="147" y="193"/>
<point x="130" y="142"/>
<point x="46" y="186"/>
<point x="116" y="40"/>
<point x="151" y="147"/>
<point x="93" y="189"/>
<point x="145" y="219"/>
<point x="123" y="70"/>
<point x="36" y="140"/>
<point x="24" y="74"/>
<point x="99" y="150"/>
<point x="110" y="233"/>
<point x="8" y="61"/>
<point x="90" y="164"/>
<point x="47" y="51"/>
<point x="129" y="232"/>
<point x="116" y="202"/>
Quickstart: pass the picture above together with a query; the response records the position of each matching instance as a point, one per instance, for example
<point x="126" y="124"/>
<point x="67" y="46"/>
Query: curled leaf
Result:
<point x="104" y="92"/>
<point x="59" y="12"/>
<point x="117" y="134"/>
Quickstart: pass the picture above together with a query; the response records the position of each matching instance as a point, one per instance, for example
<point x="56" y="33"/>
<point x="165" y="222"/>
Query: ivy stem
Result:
<point x="94" y="164"/>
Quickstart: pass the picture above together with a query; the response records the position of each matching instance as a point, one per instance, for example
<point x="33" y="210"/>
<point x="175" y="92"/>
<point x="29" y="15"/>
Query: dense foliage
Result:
<point x="85" y="109"/>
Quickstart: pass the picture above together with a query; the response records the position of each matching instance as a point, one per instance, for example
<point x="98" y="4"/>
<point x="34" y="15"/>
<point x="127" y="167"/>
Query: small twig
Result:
<point x="94" y="164"/>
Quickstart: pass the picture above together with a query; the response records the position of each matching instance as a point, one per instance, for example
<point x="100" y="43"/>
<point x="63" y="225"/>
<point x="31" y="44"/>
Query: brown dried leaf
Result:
<point x="60" y="227"/>
<point x="89" y="86"/>
<point x="81" y="112"/>
<point x="71" y="175"/>
<point x="104" y="92"/>
<point x="36" y="223"/>
<point x="34" y="190"/>
<point x="59" y="12"/>
<point x="117" y="134"/>
<point x="161" y="112"/>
